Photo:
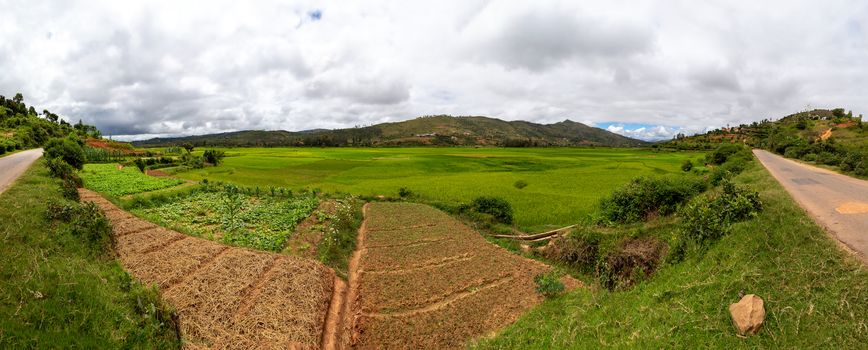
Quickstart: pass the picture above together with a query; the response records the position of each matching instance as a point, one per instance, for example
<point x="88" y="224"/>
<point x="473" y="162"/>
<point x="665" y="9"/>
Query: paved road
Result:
<point x="837" y="202"/>
<point x="12" y="166"/>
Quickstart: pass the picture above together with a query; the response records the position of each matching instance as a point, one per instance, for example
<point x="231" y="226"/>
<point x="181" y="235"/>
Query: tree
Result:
<point x="18" y="98"/>
<point x="213" y="156"/>
<point x="188" y="146"/>
<point x="67" y="150"/>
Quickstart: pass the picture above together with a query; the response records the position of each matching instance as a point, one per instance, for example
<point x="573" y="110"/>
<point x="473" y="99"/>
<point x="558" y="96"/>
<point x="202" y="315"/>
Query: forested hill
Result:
<point x="438" y="130"/>
<point x="22" y="127"/>
<point x="830" y="137"/>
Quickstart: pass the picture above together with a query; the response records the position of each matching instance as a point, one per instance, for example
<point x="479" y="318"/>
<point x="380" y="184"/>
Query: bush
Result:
<point x="723" y="153"/>
<point x="645" y="196"/>
<point x="69" y="188"/>
<point x="58" y="168"/>
<point x="140" y="163"/>
<point x="86" y="221"/>
<point x="579" y="250"/>
<point x="213" y="156"/>
<point x="404" y="192"/>
<point x="67" y="150"/>
<point x="708" y="219"/>
<point x="687" y="165"/>
<point x="497" y="207"/>
<point x="520" y="184"/>
<point x="549" y="284"/>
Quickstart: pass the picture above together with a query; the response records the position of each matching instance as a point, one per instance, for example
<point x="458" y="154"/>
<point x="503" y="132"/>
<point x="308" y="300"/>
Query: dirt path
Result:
<point x="12" y="166"/>
<point x="226" y="297"/>
<point x="837" y="202"/>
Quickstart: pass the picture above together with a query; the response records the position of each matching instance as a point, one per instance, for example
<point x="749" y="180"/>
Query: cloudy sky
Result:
<point x="645" y="69"/>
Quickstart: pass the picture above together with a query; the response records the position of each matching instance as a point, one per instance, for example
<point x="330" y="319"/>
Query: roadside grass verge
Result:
<point x="59" y="291"/>
<point x="815" y="295"/>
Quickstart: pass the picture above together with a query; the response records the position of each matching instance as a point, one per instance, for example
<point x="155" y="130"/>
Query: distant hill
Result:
<point x="438" y="130"/>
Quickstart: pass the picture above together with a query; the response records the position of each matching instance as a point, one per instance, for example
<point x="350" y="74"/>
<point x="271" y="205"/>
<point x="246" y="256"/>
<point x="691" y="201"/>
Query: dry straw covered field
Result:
<point x="428" y="281"/>
<point x="225" y="296"/>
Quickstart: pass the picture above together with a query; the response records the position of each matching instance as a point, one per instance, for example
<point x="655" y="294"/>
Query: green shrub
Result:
<point x="67" y="150"/>
<point x="645" y="196"/>
<point x="707" y="219"/>
<point x="213" y="156"/>
<point x="687" y="165"/>
<point x="69" y="188"/>
<point x="723" y="153"/>
<point x="156" y="314"/>
<point x="140" y="164"/>
<point x="549" y="284"/>
<point x="58" y="168"/>
<point x="87" y="222"/>
<point x="497" y="207"/>
<point x="520" y="184"/>
<point x="404" y="192"/>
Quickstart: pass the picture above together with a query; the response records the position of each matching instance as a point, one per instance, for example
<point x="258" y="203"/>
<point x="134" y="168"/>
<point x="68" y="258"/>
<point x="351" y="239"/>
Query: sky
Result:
<point x="645" y="69"/>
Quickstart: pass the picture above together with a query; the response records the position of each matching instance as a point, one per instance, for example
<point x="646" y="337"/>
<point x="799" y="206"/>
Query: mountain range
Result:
<point x="440" y="130"/>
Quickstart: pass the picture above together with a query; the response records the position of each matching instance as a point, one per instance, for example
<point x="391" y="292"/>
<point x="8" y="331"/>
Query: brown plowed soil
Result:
<point x="226" y="297"/>
<point x="422" y="280"/>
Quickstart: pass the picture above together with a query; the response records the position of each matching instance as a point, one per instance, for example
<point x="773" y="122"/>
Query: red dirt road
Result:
<point x="837" y="202"/>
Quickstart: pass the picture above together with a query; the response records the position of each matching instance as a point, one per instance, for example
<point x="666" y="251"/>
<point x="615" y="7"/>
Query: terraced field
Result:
<point x="423" y="280"/>
<point x="226" y="297"/>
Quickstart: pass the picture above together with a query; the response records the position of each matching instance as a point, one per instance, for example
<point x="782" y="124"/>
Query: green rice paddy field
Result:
<point x="564" y="184"/>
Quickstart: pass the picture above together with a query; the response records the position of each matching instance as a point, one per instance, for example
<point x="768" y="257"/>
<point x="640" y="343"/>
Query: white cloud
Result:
<point x="184" y="67"/>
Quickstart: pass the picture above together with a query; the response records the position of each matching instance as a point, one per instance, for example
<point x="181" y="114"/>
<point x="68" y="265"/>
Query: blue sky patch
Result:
<point x="315" y="15"/>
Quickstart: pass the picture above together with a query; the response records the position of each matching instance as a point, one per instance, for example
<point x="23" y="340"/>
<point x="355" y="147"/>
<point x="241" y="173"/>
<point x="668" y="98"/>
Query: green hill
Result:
<point x="21" y="127"/>
<point x="438" y="130"/>
<point x="826" y="137"/>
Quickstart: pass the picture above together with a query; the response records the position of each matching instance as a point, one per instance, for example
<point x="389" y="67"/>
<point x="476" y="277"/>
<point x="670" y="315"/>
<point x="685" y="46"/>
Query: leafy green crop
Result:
<point x="107" y="179"/>
<point x="257" y="222"/>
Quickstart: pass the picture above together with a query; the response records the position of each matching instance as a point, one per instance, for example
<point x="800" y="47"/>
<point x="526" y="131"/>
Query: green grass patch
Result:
<point x="559" y="186"/>
<point x="815" y="295"/>
<point x="60" y="290"/>
<point x="107" y="179"/>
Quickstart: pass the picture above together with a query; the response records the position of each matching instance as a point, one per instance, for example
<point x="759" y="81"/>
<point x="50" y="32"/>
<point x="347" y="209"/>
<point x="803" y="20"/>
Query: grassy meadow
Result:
<point x="563" y="184"/>
<point x="816" y="297"/>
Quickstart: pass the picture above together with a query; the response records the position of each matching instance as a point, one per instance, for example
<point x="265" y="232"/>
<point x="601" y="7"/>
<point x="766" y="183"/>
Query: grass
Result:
<point x="815" y="295"/>
<point x="562" y="184"/>
<point x="106" y="178"/>
<point x="58" y="291"/>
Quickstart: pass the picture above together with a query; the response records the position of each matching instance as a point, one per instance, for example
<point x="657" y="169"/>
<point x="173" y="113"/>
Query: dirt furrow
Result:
<point x="431" y="265"/>
<point x="411" y="244"/>
<point x="163" y="245"/>
<point x="445" y="302"/>
<point x="251" y="293"/>
<point x="195" y="271"/>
